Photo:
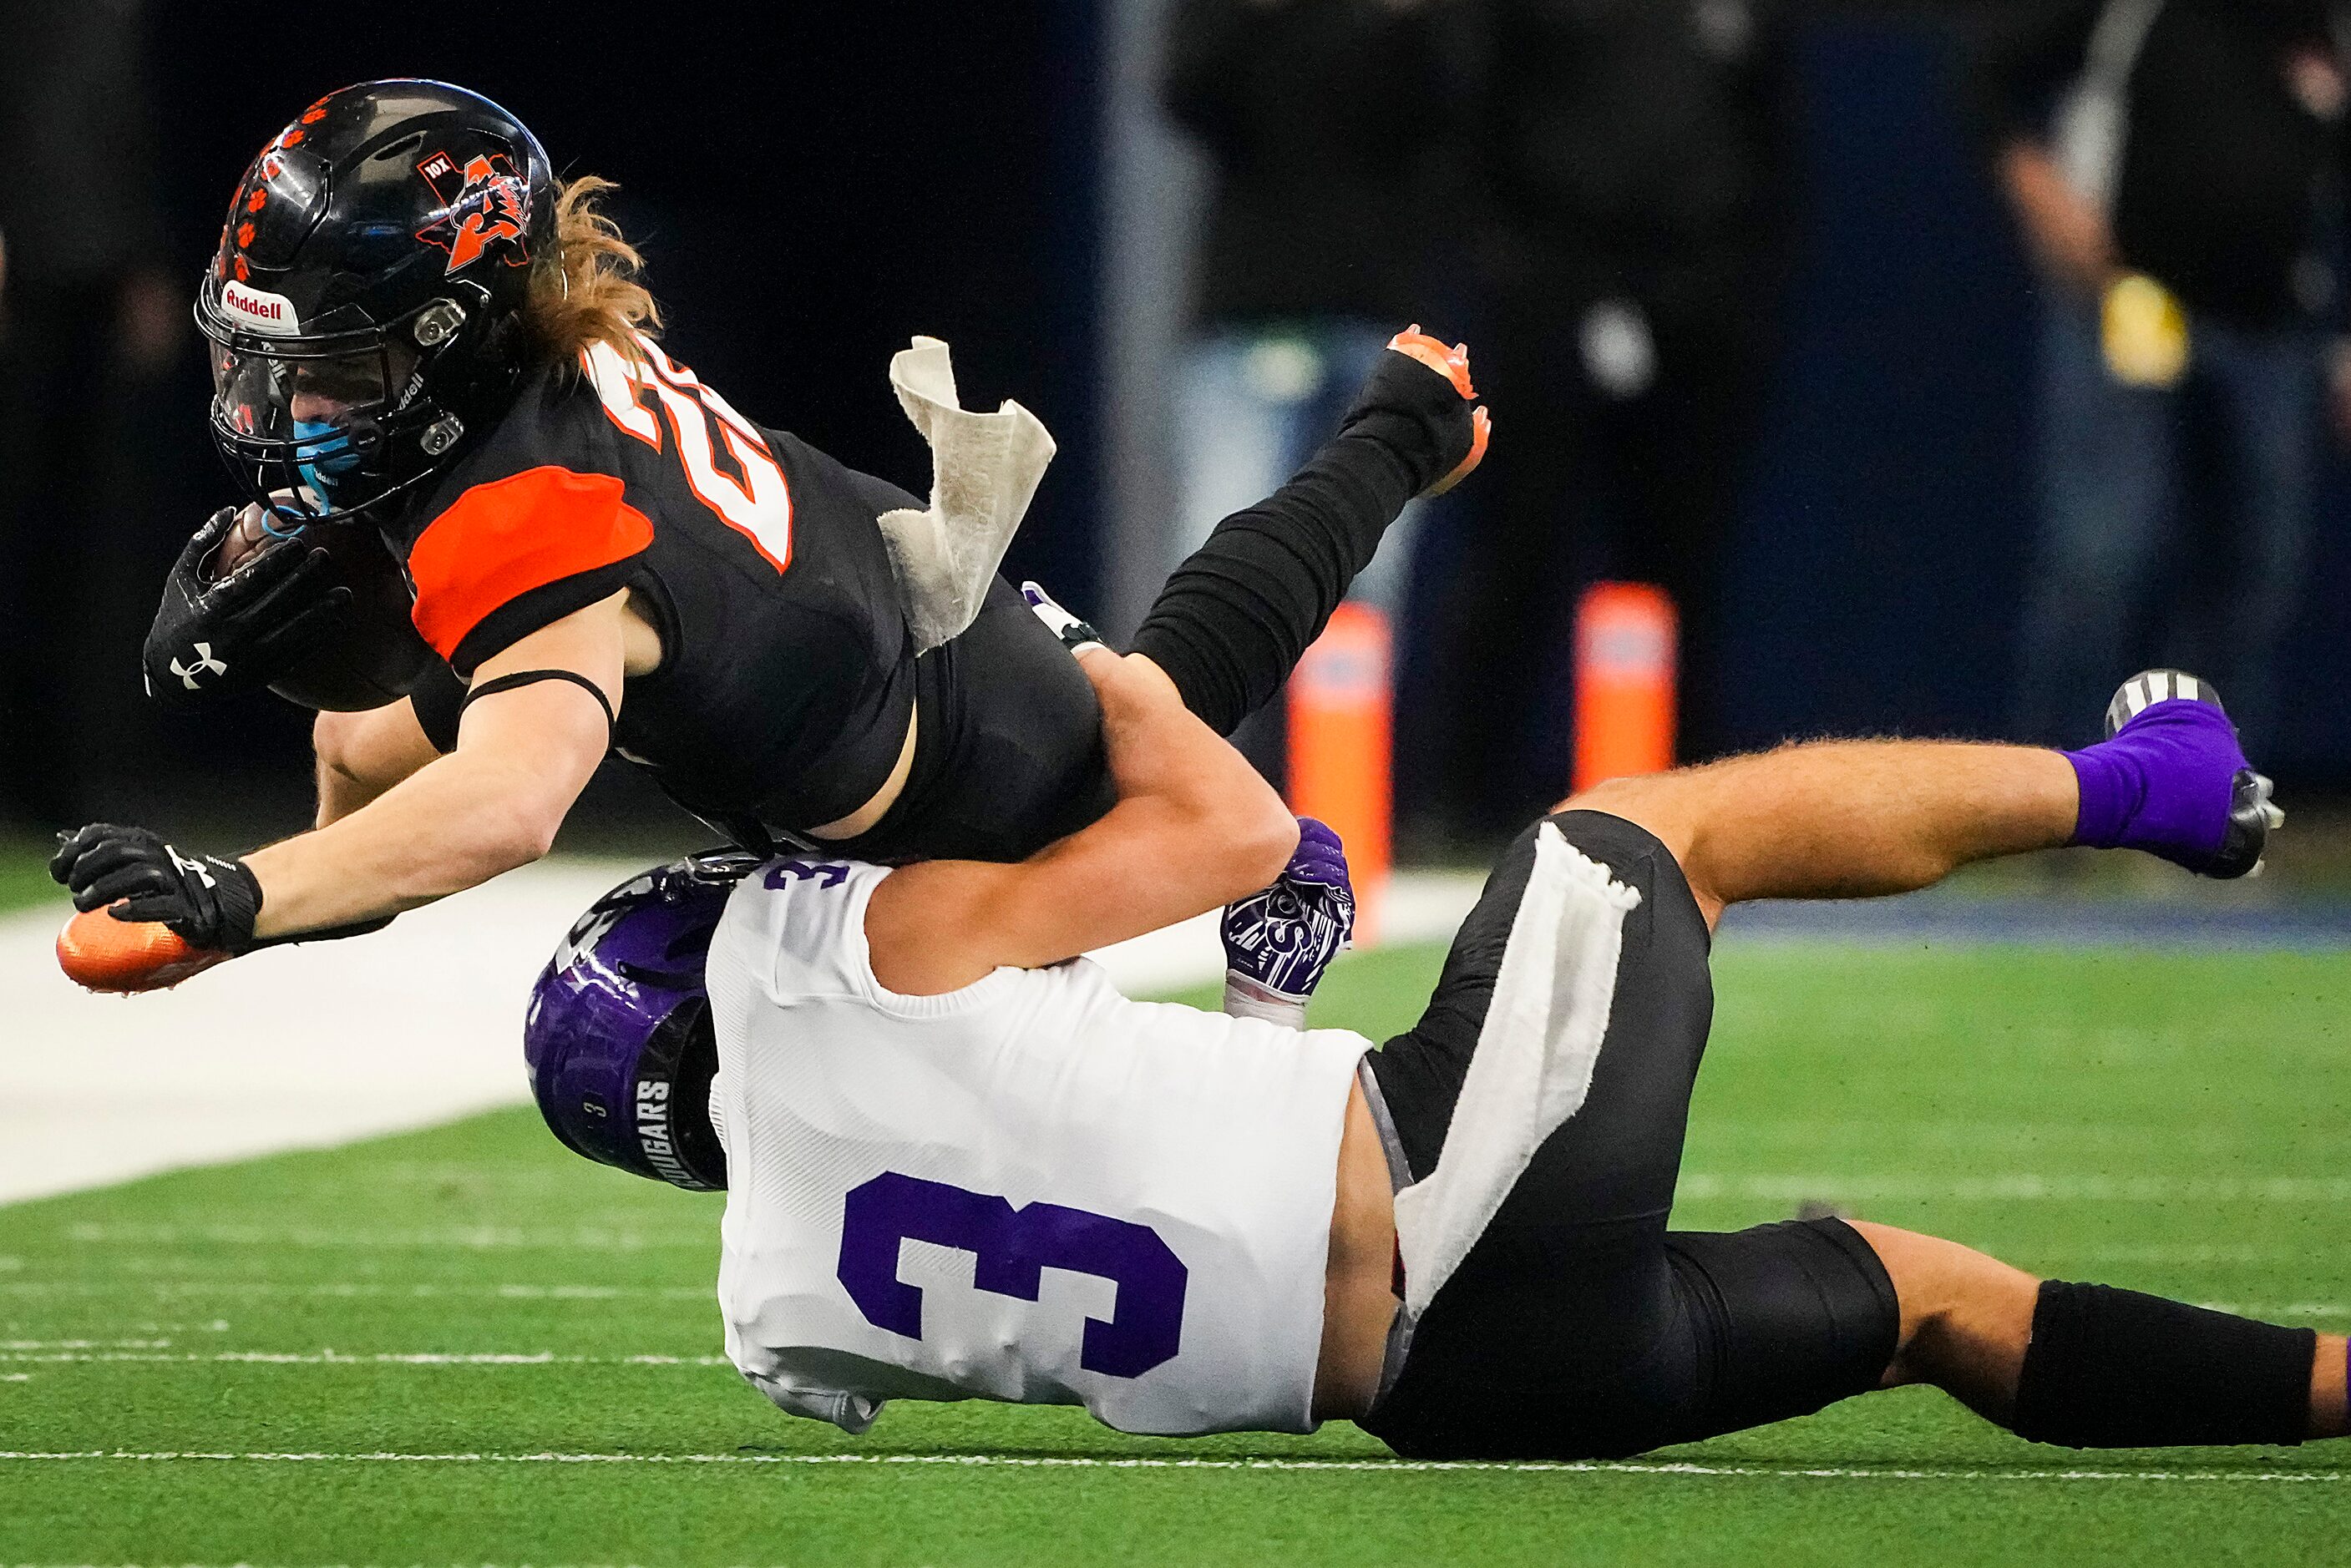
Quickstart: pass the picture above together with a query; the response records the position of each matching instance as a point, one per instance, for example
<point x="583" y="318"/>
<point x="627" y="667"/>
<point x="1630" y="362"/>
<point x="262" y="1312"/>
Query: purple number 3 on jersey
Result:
<point x="1013" y="1246"/>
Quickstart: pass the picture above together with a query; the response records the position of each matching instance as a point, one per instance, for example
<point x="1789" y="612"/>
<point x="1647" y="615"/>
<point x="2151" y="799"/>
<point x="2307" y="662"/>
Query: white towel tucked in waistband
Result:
<point x="1533" y="1062"/>
<point x="984" y="470"/>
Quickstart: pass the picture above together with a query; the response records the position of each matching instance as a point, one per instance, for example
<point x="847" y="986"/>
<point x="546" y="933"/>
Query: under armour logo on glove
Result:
<point x="242" y="630"/>
<point x="208" y="901"/>
<point x="196" y="867"/>
<point x="205" y="664"/>
<point x="1281" y="941"/>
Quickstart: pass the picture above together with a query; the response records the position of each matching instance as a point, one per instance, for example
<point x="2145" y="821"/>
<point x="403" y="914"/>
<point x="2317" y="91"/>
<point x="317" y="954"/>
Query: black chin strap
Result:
<point x="521" y="678"/>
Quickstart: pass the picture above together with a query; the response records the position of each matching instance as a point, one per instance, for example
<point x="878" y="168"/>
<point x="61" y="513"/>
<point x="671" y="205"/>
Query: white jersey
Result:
<point x="1031" y="1189"/>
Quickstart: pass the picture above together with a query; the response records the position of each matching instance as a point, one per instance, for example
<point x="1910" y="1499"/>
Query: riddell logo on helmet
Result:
<point x="260" y="309"/>
<point x="488" y="204"/>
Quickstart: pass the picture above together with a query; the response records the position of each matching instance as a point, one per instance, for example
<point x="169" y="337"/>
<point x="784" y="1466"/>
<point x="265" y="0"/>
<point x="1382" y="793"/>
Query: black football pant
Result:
<point x="1578" y="1327"/>
<point x="1009" y="754"/>
<point x="1008" y="751"/>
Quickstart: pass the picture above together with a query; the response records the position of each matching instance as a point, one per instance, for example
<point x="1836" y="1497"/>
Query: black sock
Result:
<point x="2115" y="1369"/>
<point x="1236" y="617"/>
<point x="1237" y="614"/>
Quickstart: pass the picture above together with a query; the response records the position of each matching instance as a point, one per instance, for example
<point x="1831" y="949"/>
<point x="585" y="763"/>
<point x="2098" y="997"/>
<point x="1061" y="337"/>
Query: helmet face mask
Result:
<point x="619" y="1039"/>
<point x="318" y="434"/>
<point x="365" y="304"/>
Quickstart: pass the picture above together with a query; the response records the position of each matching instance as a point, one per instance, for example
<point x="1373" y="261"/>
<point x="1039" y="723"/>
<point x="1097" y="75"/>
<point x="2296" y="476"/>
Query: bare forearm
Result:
<point x="453" y="825"/>
<point x="1195" y="827"/>
<point x="1230" y="829"/>
<point x="340" y="793"/>
<point x="362" y="755"/>
<point x="1849" y="819"/>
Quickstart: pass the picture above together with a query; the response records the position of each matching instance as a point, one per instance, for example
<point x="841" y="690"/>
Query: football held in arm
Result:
<point x="494" y="530"/>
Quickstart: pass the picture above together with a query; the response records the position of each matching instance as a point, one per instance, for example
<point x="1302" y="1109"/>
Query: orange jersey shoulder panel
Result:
<point x="508" y="536"/>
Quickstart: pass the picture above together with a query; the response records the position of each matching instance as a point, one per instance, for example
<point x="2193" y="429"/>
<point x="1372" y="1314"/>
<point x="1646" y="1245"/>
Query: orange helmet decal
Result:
<point x="489" y="203"/>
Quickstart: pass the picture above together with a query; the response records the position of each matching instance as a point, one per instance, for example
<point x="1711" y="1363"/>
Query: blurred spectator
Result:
<point x="86" y="317"/>
<point x="1639" y="153"/>
<point x="2177" y="168"/>
<point x="1327" y="124"/>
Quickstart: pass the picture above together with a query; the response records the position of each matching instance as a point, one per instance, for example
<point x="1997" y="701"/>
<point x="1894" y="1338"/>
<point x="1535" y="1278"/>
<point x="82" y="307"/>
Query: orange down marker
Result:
<point x="1340" y="762"/>
<point x="1625" y="634"/>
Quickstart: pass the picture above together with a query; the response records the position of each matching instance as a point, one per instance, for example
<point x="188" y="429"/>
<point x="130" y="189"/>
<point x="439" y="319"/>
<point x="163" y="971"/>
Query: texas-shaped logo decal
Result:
<point x="486" y="203"/>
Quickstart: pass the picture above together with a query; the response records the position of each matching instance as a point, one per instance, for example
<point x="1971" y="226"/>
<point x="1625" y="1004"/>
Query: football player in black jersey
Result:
<point x="420" y="336"/>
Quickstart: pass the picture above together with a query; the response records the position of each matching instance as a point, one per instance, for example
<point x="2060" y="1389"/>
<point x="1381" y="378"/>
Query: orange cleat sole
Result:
<point x="1452" y="363"/>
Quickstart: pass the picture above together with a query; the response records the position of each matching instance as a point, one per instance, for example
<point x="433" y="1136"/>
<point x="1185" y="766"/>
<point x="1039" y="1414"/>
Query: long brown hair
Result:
<point x="586" y="291"/>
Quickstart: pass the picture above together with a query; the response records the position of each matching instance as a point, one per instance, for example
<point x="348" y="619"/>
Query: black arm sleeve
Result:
<point x="1234" y="620"/>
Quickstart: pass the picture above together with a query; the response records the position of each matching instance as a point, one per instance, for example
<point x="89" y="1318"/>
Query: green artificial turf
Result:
<point x="25" y="875"/>
<point x="2164" y="1120"/>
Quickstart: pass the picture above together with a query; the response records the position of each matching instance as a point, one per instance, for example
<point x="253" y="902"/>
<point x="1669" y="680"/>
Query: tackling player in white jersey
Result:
<point x="959" y="1164"/>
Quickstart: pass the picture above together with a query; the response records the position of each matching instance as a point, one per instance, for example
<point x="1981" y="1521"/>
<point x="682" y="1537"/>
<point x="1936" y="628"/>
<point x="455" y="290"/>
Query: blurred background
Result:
<point x="1944" y="363"/>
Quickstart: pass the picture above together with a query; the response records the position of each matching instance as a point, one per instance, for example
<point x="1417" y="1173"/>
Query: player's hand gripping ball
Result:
<point x="1281" y="939"/>
<point x="320" y="615"/>
<point x="236" y="610"/>
<point x="149" y="916"/>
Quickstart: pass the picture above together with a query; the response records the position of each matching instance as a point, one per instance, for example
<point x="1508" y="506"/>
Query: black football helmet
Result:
<point x="365" y="305"/>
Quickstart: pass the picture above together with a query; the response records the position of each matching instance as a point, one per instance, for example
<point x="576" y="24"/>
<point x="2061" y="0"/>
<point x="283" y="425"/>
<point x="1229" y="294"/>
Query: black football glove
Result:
<point x="1419" y="403"/>
<point x="208" y="902"/>
<point x="212" y="640"/>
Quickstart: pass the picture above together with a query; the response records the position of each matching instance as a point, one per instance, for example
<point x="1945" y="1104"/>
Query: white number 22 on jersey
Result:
<point x="761" y="506"/>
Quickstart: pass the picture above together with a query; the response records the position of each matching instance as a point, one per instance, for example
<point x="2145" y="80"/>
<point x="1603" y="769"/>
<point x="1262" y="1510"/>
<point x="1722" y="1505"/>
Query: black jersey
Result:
<point x="788" y="673"/>
<point x="789" y="677"/>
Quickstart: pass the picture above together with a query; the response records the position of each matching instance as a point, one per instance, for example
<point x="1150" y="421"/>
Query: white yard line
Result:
<point x="344" y="1359"/>
<point x="592" y="1295"/>
<point x="1778" y="1187"/>
<point x="348" y="1289"/>
<point x="2013" y="1186"/>
<point x="588" y="1295"/>
<point x="1155" y="1462"/>
<point x="317" y="1047"/>
<point x="454" y="1238"/>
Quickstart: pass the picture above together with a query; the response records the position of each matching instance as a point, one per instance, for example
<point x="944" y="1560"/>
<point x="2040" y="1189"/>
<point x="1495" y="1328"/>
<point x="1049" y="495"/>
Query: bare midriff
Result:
<point x="1359" y="1301"/>
<point x="864" y="818"/>
<point x="642" y="649"/>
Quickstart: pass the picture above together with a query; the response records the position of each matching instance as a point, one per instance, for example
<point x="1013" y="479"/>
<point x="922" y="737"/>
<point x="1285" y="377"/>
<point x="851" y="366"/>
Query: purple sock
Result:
<point x="2161" y="783"/>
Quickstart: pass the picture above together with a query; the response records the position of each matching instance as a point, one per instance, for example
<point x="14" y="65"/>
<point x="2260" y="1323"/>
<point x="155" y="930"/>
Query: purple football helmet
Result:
<point x="618" y="1038"/>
